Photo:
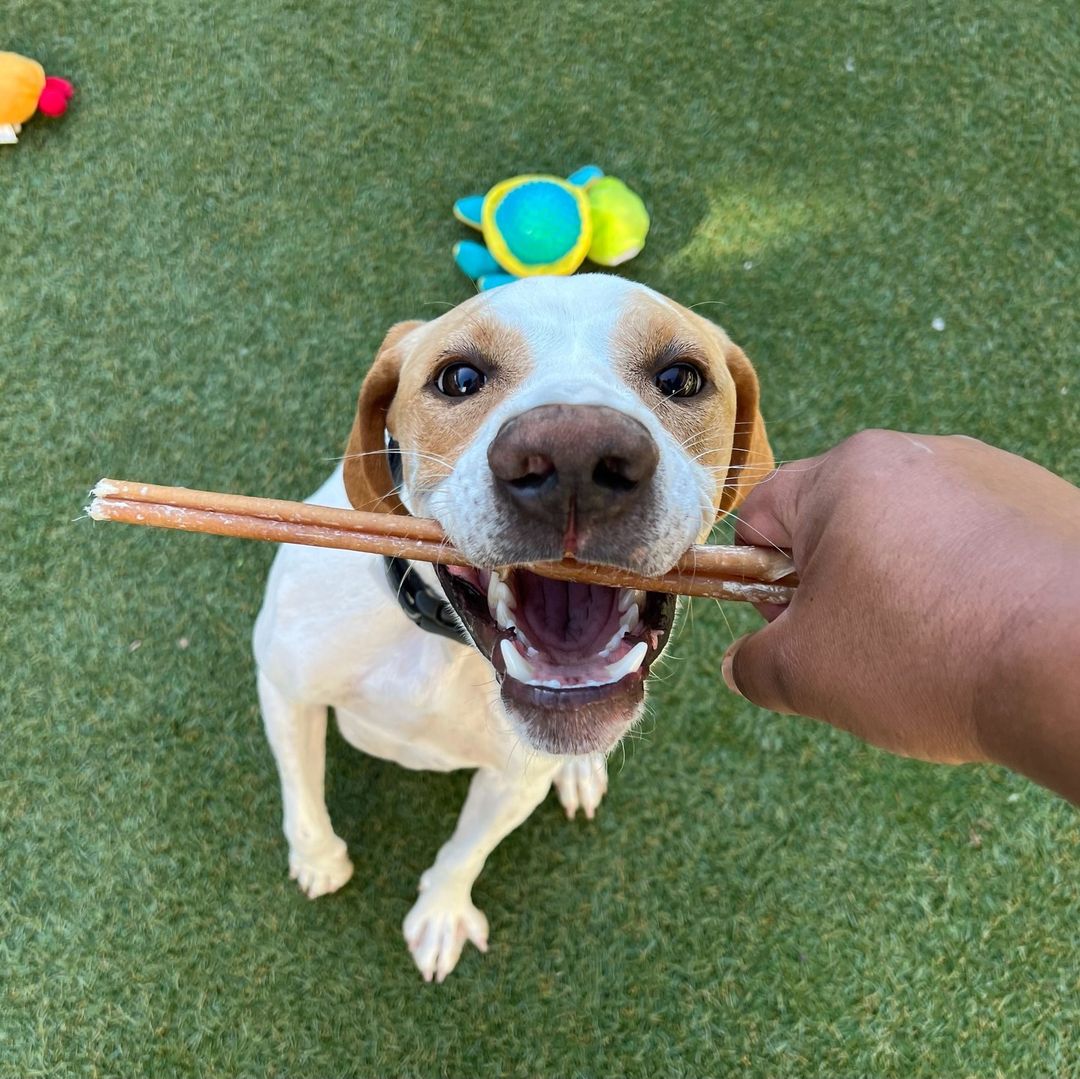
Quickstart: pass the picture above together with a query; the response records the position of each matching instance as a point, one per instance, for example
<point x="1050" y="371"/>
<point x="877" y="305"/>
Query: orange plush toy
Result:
<point x="24" y="90"/>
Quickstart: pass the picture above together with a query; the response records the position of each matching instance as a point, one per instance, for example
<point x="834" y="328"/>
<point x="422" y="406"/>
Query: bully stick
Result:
<point x="752" y="574"/>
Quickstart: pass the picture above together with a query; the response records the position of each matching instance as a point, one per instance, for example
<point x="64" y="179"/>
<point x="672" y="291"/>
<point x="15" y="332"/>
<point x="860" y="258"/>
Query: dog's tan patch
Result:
<point x="653" y="334"/>
<point x="443" y="426"/>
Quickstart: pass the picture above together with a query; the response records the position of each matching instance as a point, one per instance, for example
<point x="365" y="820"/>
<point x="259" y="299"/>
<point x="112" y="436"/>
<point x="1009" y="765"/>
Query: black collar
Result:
<point x="422" y="605"/>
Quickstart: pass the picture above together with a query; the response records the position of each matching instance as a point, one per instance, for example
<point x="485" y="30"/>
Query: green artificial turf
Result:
<point x="196" y="264"/>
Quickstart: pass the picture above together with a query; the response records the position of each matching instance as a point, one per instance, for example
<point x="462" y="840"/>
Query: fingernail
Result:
<point x="727" y="666"/>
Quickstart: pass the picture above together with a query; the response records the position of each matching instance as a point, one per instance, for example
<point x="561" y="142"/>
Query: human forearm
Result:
<point x="1028" y="712"/>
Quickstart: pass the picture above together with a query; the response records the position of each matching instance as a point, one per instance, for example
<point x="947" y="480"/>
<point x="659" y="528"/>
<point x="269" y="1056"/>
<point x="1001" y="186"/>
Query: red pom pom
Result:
<point x="54" y="98"/>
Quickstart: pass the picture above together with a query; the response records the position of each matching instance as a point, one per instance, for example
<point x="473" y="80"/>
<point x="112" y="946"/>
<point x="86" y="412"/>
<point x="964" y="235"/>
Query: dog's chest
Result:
<point x="417" y="742"/>
<point x="423" y="709"/>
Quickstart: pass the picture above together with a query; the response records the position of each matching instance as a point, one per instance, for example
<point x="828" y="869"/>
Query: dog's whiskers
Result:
<point x="423" y="455"/>
<point x="741" y="523"/>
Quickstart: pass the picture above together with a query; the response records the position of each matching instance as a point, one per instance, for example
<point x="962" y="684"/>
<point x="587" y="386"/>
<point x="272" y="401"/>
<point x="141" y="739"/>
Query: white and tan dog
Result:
<point x="585" y="415"/>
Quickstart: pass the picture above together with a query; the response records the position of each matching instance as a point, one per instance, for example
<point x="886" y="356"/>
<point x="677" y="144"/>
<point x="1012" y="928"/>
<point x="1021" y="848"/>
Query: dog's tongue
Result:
<point x="564" y="619"/>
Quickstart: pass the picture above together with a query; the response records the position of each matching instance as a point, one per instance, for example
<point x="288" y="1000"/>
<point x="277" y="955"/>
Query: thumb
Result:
<point x="757" y="667"/>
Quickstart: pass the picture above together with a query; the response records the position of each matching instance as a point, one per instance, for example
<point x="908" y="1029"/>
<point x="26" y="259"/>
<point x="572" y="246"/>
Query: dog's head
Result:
<point x="585" y="416"/>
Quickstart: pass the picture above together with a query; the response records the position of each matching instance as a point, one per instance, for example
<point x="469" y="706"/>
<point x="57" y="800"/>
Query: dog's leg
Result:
<point x="318" y="860"/>
<point x="444" y="917"/>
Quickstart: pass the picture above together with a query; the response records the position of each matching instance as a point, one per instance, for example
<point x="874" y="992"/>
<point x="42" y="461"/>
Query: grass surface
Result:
<point x="196" y="264"/>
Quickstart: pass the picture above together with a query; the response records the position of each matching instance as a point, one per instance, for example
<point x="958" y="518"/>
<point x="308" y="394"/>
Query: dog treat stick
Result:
<point x="719" y="572"/>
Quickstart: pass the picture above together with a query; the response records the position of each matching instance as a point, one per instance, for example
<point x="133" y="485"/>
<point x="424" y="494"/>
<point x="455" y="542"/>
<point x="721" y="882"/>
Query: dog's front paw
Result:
<point x="581" y="783"/>
<point x="436" y="929"/>
<point x="321" y="870"/>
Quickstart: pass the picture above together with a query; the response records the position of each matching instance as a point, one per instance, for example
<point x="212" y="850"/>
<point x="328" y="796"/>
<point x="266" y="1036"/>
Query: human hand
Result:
<point x="938" y="610"/>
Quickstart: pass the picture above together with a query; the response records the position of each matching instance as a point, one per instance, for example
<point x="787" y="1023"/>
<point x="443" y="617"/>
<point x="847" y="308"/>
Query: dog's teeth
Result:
<point x="499" y="594"/>
<point x="628" y="596"/>
<point x="529" y="650"/>
<point x="618" y="636"/>
<point x="502" y="616"/>
<point x="627" y="622"/>
<point x="517" y="666"/>
<point x="629" y="663"/>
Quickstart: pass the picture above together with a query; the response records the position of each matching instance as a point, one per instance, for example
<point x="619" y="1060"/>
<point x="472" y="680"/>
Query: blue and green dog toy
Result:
<point x="536" y="225"/>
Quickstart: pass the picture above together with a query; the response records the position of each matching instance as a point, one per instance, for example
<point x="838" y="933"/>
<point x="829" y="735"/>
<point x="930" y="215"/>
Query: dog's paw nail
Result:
<point x="437" y="928"/>
<point x="581" y="783"/>
<point x="322" y="873"/>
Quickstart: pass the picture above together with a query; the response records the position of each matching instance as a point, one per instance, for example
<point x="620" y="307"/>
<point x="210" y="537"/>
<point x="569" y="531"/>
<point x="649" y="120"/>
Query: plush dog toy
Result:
<point x="535" y="225"/>
<point x="24" y="90"/>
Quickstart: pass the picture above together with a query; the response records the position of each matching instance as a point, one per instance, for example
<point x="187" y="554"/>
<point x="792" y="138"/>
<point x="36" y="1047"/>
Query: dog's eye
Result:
<point x="459" y="380"/>
<point x="680" y="380"/>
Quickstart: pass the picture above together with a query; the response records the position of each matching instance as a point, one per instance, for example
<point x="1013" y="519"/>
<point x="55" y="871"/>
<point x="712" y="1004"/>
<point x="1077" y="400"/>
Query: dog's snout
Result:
<point x="591" y="457"/>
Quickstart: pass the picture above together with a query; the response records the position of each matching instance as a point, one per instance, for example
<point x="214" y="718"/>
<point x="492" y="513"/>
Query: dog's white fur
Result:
<point x="330" y="633"/>
<point x="569" y="334"/>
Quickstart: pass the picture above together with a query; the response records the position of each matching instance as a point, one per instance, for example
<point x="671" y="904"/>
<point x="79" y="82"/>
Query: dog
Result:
<point x="586" y="417"/>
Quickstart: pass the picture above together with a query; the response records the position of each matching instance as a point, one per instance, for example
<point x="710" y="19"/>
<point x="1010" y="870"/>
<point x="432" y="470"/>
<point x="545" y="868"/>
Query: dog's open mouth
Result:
<point x="572" y="658"/>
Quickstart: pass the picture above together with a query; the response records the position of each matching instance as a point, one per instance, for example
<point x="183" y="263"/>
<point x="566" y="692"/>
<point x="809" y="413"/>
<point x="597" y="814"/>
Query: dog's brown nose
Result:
<point x="593" y="460"/>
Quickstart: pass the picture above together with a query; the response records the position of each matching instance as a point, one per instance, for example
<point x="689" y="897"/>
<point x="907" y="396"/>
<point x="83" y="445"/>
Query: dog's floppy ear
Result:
<point x="751" y="455"/>
<point x="368" y="482"/>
